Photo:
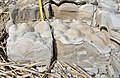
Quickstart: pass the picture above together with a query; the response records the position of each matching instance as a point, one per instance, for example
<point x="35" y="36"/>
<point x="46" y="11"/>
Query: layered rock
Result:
<point x="88" y="41"/>
<point x="80" y="44"/>
<point x="28" y="44"/>
<point x="113" y="66"/>
<point x="107" y="10"/>
<point x="26" y="13"/>
<point x="71" y="11"/>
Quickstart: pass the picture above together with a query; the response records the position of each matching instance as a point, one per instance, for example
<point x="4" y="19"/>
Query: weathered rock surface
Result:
<point x="88" y="36"/>
<point x="68" y="7"/>
<point x="25" y="14"/>
<point x="26" y="45"/>
<point x="75" y="45"/>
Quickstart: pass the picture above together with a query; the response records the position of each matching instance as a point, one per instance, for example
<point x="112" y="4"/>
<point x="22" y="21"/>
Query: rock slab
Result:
<point x="26" y="45"/>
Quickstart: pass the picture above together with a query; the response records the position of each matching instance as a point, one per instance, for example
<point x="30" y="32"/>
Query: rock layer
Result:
<point x="88" y="36"/>
<point x="26" y="45"/>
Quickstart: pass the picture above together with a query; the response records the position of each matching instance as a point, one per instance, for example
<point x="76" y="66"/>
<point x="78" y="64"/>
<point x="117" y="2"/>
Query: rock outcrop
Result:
<point x="86" y="35"/>
<point x="28" y="44"/>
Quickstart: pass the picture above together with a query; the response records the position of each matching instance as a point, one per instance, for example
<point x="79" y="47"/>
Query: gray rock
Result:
<point x="25" y="45"/>
<point x="24" y="27"/>
<point x="71" y="53"/>
<point x="58" y="33"/>
<point x="77" y="42"/>
<point x="46" y="34"/>
<point x="85" y="12"/>
<point x="103" y="76"/>
<point x="28" y="13"/>
<point x="41" y="27"/>
<point x="30" y="35"/>
<point x="92" y="71"/>
<point x="12" y="30"/>
<point x="73" y="33"/>
<point x="8" y="24"/>
<point x="62" y="14"/>
<point x="58" y="25"/>
<point x="13" y="11"/>
<point x="68" y="7"/>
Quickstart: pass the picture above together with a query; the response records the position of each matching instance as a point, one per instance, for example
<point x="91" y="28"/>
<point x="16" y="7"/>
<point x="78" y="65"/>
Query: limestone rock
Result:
<point x="58" y="25"/>
<point x="95" y="38"/>
<point x="99" y="42"/>
<point x="58" y="33"/>
<point x="64" y="14"/>
<point x="13" y="11"/>
<point x="30" y="51"/>
<point x="114" y="65"/>
<point x="115" y="21"/>
<point x="76" y="25"/>
<point x="103" y="76"/>
<point x="81" y="45"/>
<point x="65" y="33"/>
<point x="28" y="13"/>
<point x="88" y="37"/>
<point x="104" y="20"/>
<point x="24" y="27"/>
<point x="85" y="12"/>
<point x="24" y="14"/>
<point x="31" y="35"/>
<point x="71" y="53"/>
<point x="68" y="7"/>
<point x="87" y="30"/>
<point x="41" y="27"/>
<point x="12" y="30"/>
<point x="71" y="11"/>
<point x="84" y="28"/>
<point x="8" y="24"/>
<point x="25" y="45"/>
<point x="108" y="12"/>
<point x="46" y="34"/>
<point x="73" y="33"/>
<point x="92" y="71"/>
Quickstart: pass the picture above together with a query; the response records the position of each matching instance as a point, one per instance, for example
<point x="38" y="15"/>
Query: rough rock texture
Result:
<point x="25" y="44"/>
<point x="75" y="45"/>
<point x="88" y="36"/>
<point x="71" y="11"/>
<point x="68" y="7"/>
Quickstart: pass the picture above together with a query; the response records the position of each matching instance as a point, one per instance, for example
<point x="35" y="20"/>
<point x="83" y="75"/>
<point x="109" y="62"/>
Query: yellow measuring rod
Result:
<point x="41" y="10"/>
